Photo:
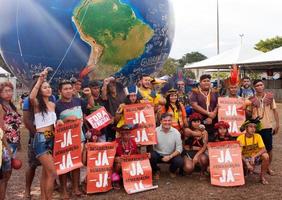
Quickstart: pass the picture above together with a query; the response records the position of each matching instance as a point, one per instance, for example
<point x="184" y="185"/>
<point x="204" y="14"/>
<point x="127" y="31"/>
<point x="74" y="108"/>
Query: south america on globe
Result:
<point x="85" y="38"/>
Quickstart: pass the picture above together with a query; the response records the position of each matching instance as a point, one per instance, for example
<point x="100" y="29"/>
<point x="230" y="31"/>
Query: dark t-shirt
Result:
<point x="76" y="107"/>
<point x="200" y="99"/>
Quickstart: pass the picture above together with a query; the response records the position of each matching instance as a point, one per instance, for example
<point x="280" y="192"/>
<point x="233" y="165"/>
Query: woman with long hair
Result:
<point x="44" y="120"/>
<point x="176" y="109"/>
<point x="10" y="121"/>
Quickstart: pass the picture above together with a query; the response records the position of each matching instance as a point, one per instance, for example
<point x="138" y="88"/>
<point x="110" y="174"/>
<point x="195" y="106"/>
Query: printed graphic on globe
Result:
<point x="86" y="38"/>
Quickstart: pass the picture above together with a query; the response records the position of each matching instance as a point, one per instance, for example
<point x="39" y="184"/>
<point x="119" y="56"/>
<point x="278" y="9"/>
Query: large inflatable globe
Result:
<point x="86" y="38"/>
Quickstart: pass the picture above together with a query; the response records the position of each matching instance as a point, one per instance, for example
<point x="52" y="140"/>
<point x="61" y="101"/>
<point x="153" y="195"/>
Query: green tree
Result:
<point x="222" y="75"/>
<point x="169" y="67"/>
<point x="191" y="57"/>
<point x="269" y="44"/>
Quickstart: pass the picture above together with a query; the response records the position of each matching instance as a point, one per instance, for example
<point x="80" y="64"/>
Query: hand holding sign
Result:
<point x="67" y="147"/>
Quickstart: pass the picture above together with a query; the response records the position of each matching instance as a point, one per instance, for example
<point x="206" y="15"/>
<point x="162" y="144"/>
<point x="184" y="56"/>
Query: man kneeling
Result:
<point x="169" y="147"/>
<point x="253" y="149"/>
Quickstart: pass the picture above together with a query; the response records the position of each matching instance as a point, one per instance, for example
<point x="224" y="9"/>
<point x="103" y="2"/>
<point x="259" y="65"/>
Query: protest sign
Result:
<point x="67" y="147"/>
<point x="137" y="173"/>
<point x="226" y="167"/>
<point x="231" y="111"/>
<point x="100" y="160"/>
<point x="99" y="119"/>
<point x="143" y="115"/>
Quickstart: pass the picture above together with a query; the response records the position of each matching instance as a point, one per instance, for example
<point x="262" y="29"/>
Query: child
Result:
<point x="222" y="134"/>
<point x="195" y="146"/>
<point x="253" y="149"/>
<point x="125" y="146"/>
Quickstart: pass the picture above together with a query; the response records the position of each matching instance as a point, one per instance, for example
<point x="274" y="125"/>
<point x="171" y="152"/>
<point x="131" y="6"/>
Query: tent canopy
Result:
<point x="225" y="59"/>
<point x="271" y="60"/>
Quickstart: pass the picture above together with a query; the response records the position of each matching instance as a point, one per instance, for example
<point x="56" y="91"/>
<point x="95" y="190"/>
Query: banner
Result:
<point x="137" y="173"/>
<point x="99" y="119"/>
<point x="226" y="167"/>
<point x="143" y="115"/>
<point x="67" y="147"/>
<point x="231" y="111"/>
<point x="100" y="160"/>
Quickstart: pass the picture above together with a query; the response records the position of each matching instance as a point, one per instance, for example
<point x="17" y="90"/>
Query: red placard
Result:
<point x="231" y="111"/>
<point x="226" y="165"/>
<point x="142" y="114"/>
<point x="137" y="173"/>
<point x="99" y="119"/>
<point x="100" y="160"/>
<point x="67" y="147"/>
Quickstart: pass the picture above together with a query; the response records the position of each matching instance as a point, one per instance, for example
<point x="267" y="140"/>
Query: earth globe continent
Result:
<point x="85" y="38"/>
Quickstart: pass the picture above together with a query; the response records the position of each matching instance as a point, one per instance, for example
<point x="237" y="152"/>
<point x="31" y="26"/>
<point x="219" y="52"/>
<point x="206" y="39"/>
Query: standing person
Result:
<point x="146" y="92"/>
<point x="10" y="121"/>
<point x="77" y="85"/>
<point x="112" y="98"/>
<point x="264" y="107"/>
<point x="44" y="120"/>
<point x="204" y="101"/>
<point x="246" y="90"/>
<point x="253" y="149"/>
<point x="33" y="162"/>
<point x="176" y="109"/>
<point x="182" y="96"/>
<point x="195" y="146"/>
<point x="95" y="88"/>
<point x="168" y="149"/>
<point x="70" y="108"/>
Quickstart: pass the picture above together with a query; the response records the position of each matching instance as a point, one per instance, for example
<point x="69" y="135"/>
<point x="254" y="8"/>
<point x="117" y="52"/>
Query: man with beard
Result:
<point x="146" y="92"/>
<point x="204" y="101"/>
<point x="246" y="91"/>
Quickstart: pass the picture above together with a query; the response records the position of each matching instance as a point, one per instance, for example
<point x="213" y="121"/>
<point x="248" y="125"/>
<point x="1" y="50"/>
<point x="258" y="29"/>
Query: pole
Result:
<point x="217" y="37"/>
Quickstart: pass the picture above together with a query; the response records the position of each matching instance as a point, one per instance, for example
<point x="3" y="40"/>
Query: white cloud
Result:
<point x="195" y="23"/>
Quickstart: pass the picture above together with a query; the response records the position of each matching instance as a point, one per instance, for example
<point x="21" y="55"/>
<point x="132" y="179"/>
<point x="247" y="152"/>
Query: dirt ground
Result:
<point x="187" y="187"/>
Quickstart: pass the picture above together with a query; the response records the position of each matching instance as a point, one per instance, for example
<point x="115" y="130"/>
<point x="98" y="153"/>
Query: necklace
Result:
<point x="208" y="98"/>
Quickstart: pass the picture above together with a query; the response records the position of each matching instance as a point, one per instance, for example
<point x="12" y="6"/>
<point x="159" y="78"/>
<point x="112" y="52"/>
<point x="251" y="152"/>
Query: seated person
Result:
<point x="168" y="149"/>
<point x="253" y="149"/>
<point x="195" y="146"/>
<point x="222" y="134"/>
<point x="125" y="146"/>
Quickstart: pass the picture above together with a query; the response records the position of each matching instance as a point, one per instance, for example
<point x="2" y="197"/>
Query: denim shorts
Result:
<point x="42" y="145"/>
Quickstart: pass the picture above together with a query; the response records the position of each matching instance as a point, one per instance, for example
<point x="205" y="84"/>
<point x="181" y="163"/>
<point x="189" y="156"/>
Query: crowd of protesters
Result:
<point x="185" y="126"/>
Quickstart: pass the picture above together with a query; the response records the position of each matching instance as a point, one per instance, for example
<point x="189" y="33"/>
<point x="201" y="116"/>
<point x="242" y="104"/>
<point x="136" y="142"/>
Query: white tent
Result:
<point x="269" y="58"/>
<point x="226" y="59"/>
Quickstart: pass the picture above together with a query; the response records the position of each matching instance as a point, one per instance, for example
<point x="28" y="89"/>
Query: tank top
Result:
<point x="44" y="120"/>
<point x="12" y="122"/>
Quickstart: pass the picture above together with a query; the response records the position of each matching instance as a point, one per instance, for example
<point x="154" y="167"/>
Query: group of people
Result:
<point x="185" y="125"/>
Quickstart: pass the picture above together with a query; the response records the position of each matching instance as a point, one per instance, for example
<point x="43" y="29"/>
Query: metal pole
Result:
<point x="217" y="37"/>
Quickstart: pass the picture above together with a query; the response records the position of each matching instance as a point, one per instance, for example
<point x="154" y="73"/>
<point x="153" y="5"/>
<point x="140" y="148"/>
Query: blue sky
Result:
<point x="195" y="24"/>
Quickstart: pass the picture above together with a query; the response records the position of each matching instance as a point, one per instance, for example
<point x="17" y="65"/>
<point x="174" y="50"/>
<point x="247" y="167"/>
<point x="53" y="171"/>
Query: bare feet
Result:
<point x="264" y="181"/>
<point x="271" y="172"/>
<point x="172" y="175"/>
<point x="65" y="196"/>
